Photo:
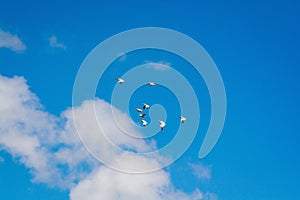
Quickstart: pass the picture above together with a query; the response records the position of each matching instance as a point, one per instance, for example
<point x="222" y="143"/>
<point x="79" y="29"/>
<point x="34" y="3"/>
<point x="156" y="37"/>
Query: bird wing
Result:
<point x="162" y="123"/>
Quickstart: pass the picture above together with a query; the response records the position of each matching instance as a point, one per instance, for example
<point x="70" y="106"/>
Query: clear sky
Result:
<point x="255" y="45"/>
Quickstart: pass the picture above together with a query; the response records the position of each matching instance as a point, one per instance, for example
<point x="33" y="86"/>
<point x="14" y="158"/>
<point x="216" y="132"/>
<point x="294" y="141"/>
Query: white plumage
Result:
<point x="142" y="115"/>
<point x="139" y="110"/>
<point x="146" y="106"/>
<point x="152" y="84"/>
<point x="162" y="124"/>
<point x="120" y="81"/>
<point x="144" y="122"/>
<point x="182" y="119"/>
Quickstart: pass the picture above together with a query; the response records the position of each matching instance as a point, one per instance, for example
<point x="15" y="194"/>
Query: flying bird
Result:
<point x="152" y="84"/>
<point x="138" y="109"/>
<point x="146" y="106"/>
<point x="182" y="119"/>
<point x="120" y="81"/>
<point x="142" y="115"/>
<point x="162" y="124"/>
<point x="144" y="122"/>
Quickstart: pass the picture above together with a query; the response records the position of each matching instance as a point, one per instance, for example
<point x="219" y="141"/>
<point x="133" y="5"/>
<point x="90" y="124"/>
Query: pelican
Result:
<point x="162" y="124"/>
<point x="152" y="84"/>
<point x="142" y="115"/>
<point x="120" y="81"/>
<point x="144" y="122"/>
<point x="146" y="106"/>
<point x="182" y="119"/>
<point x="138" y="109"/>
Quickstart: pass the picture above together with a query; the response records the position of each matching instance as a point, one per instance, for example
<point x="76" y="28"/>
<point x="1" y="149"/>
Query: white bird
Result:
<point x="152" y="84"/>
<point x="182" y="119"/>
<point x="142" y="115"/>
<point x="120" y="81"/>
<point x="138" y="109"/>
<point x="144" y="122"/>
<point x="146" y="106"/>
<point x="162" y="124"/>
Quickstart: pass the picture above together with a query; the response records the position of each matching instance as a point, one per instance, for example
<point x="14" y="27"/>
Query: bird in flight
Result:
<point x="146" y="106"/>
<point x="162" y="124"/>
<point x="120" y="81"/>
<point x="182" y="119"/>
<point x="144" y="122"/>
<point x="138" y="109"/>
<point x="142" y="115"/>
<point x="152" y="84"/>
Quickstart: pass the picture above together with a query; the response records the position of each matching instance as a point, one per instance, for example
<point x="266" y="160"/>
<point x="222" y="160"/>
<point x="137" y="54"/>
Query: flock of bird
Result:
<point x="162" y="124"/>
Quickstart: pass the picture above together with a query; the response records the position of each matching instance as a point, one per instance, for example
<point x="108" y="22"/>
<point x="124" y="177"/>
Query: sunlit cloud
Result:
<point x="50" y="148"/>
<point x="12" y="42"/>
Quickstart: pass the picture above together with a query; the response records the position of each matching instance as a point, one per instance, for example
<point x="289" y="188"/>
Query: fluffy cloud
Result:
<point x="201" y="171"/>
<point x="106" y="183"/>
<point x="50" y="147"/>
<point x="10" y="41"/>
<point x="39" y="140"/>
<point x="54" y="43"/>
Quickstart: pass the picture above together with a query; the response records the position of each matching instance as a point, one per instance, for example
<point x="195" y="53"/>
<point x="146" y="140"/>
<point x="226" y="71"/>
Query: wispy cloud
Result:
<point x="2" y="160"/>
<point x="50" y="148"/>
<point x="159" y="66"/>
<point x="10" y="41"/>
<point x="210" y="196"/>
<point x="201" y="171"/>
<point x="54" y="43"/>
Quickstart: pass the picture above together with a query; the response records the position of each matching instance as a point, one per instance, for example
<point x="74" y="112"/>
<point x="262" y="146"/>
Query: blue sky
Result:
<point x="255" y="46"/>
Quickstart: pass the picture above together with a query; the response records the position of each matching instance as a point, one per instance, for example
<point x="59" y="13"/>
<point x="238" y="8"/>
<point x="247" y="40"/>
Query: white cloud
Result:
<point x="159" y="66"/>
<point x="106" y="183"/>
<point x="54" y="43"/>
<point x="39" y="140"/>
<point x="50" y="148"/>
<point x="201" y="171"/>
<point x="10" y="41"/>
